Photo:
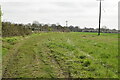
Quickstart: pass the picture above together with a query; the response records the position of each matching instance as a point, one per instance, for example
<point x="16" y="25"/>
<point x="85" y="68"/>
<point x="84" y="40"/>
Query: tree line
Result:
<point x="13" y="29"/>
<point x="10" y="29"/>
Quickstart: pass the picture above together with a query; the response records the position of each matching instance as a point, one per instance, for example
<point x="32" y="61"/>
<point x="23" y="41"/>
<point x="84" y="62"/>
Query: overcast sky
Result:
<point x="82" y="13"/>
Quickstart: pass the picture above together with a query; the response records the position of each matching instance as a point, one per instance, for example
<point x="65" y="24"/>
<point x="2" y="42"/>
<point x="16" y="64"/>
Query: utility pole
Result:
<point x="99" y="16"/>
<point x="66" y="23"/>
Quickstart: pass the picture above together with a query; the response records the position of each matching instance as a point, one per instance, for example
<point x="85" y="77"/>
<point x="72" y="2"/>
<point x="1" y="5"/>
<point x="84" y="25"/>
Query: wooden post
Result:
<point x="99" y="17"/>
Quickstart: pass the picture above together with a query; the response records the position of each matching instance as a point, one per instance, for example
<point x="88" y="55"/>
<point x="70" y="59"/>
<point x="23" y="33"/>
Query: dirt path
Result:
<point x="58" y="66"/>
<point x="10" y="59"/>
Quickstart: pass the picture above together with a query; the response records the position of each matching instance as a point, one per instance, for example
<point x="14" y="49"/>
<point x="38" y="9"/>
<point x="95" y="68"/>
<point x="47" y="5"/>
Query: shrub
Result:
<point x="12" y="41"/>
<point x="82" y="57"/>
<point x="86" y="63"/>
<point x="104" y="55"/>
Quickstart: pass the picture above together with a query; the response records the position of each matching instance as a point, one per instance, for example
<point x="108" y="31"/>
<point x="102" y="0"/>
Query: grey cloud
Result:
<point x="79" y="12"/>
<point x="65" y="4"/>
<point x="90" y="5"/>
<point x="21" y="4"/>
<point x="61" y="8"/>
<point x="60" y="11"/>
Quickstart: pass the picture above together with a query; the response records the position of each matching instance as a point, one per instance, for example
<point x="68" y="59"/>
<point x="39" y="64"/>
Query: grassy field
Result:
<point x="61" y="55"/>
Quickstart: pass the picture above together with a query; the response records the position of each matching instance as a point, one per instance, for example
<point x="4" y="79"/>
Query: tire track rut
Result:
<point x="10" y="59"/>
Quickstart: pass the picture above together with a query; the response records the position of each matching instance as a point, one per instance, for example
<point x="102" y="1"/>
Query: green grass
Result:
<point x="8" y="43"/>
<point x="61" y="55"/>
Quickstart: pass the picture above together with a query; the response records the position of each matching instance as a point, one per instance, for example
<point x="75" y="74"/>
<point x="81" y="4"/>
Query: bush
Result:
<point x="12" y="41"/>
<point x="82" y="57"/>
<point x="86" y="63"/>
<point x="104" y="55"/>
